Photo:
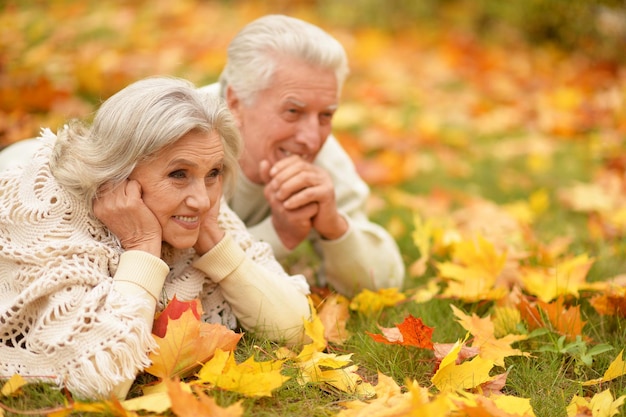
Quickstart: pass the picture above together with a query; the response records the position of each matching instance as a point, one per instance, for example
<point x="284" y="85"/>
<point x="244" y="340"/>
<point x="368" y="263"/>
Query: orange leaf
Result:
<point x="185" y="404"/>
<point x="334" y="313"/>
<point x="188" y="342"/>
<point x="411" y="332"/>
<point x="565" y="321"/>
<point x="173" y="311"/>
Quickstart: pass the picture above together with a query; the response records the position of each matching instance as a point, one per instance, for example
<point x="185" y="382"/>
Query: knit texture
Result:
<point x="60" y="318"/>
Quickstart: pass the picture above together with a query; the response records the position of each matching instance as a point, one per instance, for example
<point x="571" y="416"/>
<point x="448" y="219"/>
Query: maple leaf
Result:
<point x="613" y="299"/>
<point x="186" y="404"/>
<point x="334" y="314"/>
<point x="493" y="406"/>
<point x="188" y="342"/>
<point x="172" y="311"/>
<point x="422" y="238"/>
<point x="156" y="400"/>
<point x="370" y="302"/>
<point x="567" y="278"/>
<point x="250" y="378"/>
<point x="411" y="332"/>
<point x="473" y="274"/>
<point x="391" y="401"/>
<point x="601" y="404"/>
<point x="319" y="367"/>
<point x="561" y="319"/>
<point x="334" y="370"/>
<point x="111" y="408"/>
<point x="470" y="374"/>
<point x="489" y="346"/>
<point x="616" y="369"/>
<point x="13" y="385"/>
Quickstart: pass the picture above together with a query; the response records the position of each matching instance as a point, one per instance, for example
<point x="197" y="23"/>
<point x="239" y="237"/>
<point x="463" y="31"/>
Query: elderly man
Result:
<point x="282" y="82"/>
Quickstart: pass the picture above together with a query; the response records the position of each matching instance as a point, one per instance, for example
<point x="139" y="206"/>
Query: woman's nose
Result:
<point x="198" y="198"/>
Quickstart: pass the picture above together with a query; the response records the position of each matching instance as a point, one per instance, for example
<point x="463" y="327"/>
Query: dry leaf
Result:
<point x="334" y="314"/>
<point x="249" y="378"/>
<point x="411" y="332"/>
<point x="188" y="343"/>
<point x="186" y="404"/>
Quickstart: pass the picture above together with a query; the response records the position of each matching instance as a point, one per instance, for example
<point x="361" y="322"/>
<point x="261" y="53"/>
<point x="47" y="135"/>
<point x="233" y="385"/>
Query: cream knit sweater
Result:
<point x="77" y="310"/>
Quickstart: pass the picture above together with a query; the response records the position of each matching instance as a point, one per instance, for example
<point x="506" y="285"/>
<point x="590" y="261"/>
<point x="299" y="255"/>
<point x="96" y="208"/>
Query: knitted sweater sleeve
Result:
<point x="264" y="298"/>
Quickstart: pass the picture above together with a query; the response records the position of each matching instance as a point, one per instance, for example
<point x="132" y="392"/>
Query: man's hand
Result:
<point x="122" y="210"/>
<point x="302" y="197"/>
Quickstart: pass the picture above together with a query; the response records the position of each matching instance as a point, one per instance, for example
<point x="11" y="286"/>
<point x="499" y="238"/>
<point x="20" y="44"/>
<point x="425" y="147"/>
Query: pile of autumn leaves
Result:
<point x="481" y="251"/>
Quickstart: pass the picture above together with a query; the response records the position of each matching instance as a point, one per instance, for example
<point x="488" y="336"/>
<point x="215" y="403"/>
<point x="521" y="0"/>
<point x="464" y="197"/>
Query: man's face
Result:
<point x="292" y="116"/>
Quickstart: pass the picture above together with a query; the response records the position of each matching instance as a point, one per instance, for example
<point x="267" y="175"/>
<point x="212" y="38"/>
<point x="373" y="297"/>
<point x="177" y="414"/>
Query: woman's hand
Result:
<point x="124" y="213"/>
<point x="210" y="232"/>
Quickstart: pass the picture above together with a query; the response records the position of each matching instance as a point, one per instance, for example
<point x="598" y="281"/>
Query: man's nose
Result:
<point x="310" y="133"/>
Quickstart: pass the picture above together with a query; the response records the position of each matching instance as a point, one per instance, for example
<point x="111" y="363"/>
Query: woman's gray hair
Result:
<point x="253" y="53"/>
<point x="132" y="126"/>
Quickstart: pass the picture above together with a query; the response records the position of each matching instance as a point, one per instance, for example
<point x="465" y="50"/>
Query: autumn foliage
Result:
<point x="497" y="164"/>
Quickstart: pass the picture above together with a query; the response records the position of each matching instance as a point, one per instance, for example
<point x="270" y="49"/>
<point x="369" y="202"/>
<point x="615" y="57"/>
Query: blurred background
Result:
<point x="514" y="102"/>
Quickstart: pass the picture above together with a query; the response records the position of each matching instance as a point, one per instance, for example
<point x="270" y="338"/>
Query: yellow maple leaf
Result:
<point x="474" y="271"/>
<point x="451" y="376"/>
<point x="489" y="347"/>
<point x="600" y="405"/>
<point x="370" y="302"/>
<point x="187" y="344"/>
<point x="499" y="405"/>
<point x="13" y="385"/>
<point x="616" y="369"/>
<point x="567" y="278"/>
<point x="250" y="378"/>
<point x="319" y="367"/>
<point x="332" y="369"/>
<point x="156" y="402"/>
<point x="391" y="401"/>
<point x="422" y="237"/>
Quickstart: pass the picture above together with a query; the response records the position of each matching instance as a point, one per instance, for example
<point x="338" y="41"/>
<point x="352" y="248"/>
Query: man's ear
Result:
<point x="234" y="104"/>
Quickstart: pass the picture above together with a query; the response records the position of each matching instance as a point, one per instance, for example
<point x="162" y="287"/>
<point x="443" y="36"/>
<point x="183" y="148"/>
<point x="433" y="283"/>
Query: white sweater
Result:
<point x="78" y="310"/>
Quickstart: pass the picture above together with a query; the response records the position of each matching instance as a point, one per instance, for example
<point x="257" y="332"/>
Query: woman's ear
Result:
<point x="234" y="104"/>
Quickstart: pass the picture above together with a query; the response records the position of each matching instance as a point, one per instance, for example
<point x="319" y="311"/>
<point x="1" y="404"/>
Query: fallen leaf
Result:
<point x="186" y="404"/>
<point x="600" y="405"/>
<point x="172" y="311"/>
<point x="371" y="302"/>
<point x="473" y="273"/>
<point x="411" y="332"/>
<point x="334" y="314"/>
<point x="188" y="343"/>
<point x="249" y="378"/>
<point x="13" y="385"/>
<point x="469" y="374"/>
<point x="616" y="369"/>
<point x="488" y="345"/>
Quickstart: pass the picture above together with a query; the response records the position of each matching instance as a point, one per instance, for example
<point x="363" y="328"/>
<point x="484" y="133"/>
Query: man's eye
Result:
<point x="178" y="174"/>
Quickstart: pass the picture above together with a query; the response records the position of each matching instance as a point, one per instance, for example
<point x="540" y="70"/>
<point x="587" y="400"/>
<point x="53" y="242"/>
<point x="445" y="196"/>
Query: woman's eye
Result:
<point x="214" y="174"/>
<point x="178" y="174"/>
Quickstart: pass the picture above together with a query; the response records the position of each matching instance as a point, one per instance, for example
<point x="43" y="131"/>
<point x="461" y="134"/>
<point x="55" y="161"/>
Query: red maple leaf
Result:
<point x="411" y="332"/>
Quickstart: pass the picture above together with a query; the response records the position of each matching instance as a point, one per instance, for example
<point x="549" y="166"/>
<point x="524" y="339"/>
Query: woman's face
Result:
<point x="182" y="184"/>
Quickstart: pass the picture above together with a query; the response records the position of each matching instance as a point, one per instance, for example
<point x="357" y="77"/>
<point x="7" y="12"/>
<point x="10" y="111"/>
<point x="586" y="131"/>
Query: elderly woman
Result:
<point x="108" y="223"/>
<point x="282" y="81"/>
